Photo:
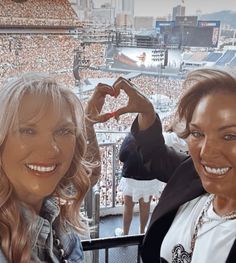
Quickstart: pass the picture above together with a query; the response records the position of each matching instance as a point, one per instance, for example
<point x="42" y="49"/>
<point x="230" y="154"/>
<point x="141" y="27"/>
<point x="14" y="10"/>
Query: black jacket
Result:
<point x="183" y="185"/>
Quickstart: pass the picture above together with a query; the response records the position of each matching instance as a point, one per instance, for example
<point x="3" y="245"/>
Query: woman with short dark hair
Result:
<point x="195" y="219"/>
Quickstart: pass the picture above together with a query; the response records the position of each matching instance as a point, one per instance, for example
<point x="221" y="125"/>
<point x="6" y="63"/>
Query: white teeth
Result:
<point x="218" y="171"/>
<point x="41" y="169"/>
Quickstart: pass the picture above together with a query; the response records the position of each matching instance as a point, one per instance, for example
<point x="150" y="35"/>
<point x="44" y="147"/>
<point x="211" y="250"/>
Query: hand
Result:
<point x="137" y="102"/>
<point x="96" y="102"/>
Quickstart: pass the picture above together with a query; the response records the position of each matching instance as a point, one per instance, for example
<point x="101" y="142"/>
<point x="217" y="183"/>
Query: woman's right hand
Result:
<point x="137" y="102"/>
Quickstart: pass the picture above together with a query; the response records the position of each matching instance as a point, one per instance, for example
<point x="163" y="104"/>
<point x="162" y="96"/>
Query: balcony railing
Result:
<point x="113" y="242"/>
<point x="104" y="199"/>
<point x="107" y="186"/>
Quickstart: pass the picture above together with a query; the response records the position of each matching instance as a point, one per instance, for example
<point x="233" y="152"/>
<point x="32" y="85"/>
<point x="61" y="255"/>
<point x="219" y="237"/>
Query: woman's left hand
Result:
<point x="96" y="102"/>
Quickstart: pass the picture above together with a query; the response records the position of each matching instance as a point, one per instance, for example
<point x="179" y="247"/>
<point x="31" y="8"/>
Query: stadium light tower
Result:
<point x="158" y="55"/>
<point x="80" y="62"/>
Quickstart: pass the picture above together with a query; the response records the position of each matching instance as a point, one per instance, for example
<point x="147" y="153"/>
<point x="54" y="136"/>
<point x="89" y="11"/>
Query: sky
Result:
<point x="164" y="7"/>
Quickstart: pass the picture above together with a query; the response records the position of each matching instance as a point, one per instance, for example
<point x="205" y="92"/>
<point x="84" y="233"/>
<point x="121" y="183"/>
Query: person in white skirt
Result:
<point x="137" y="186"/>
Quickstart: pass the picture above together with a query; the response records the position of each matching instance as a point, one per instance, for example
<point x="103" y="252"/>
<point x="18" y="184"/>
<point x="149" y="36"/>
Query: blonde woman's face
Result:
<point x="39" y="150"/>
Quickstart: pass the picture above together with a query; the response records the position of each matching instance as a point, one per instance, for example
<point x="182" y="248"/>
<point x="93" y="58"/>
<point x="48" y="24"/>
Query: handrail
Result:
<point x="111" y="242"/>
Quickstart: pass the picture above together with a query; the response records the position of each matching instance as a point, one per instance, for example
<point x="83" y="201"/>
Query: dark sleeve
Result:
<point x="157" y="157"/>
<point x="127" y="146"/>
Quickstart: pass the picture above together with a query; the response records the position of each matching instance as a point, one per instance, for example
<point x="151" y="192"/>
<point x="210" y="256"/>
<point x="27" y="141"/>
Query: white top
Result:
<point x="214" y="240"/>
<point x="173" y="140"/>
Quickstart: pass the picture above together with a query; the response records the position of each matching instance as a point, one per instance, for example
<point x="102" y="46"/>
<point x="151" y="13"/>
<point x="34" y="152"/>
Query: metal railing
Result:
<point x="109" y="144"/>
<point x="107" y="187"/>
<point x="113" y="242"/>
<point x="95" y="203"/>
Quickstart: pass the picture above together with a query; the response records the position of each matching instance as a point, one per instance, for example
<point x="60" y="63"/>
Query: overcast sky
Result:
<point x="164" y="7"/>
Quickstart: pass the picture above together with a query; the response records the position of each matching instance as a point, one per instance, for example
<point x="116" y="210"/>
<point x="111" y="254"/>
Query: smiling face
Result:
<point x="212" y="143"/>
<point x="39" y="149"/>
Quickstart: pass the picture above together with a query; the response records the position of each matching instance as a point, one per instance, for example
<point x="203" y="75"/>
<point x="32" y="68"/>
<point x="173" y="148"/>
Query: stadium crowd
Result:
<point x="48" y="53"/>
<point x="112" y="133"/>
<point x="37" y="13"/>
<point x="55" y="54"/>
<point x="26" y="51"/>
<point x="45" y="53"/>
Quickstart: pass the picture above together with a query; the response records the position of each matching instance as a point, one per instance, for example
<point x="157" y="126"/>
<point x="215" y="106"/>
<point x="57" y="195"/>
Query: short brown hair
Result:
<point x="198" y="84"/>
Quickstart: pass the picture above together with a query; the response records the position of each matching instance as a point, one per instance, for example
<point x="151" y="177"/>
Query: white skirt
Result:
<point x="140" y="188"/>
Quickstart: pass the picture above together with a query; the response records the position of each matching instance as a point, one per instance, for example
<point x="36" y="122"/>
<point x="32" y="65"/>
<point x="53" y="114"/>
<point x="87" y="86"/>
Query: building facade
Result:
<point x="178" y="10"/>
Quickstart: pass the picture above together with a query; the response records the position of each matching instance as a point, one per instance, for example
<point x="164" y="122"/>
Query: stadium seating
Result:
<point x="213" y="56"/>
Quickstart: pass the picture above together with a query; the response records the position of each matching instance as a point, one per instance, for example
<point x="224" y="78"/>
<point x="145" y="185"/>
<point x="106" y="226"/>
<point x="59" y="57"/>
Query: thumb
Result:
<point x="121" y="111"/>
<point x="104" y="117"/>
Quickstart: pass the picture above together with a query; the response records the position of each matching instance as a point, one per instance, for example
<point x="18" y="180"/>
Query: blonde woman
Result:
<point x="44" y="175"/>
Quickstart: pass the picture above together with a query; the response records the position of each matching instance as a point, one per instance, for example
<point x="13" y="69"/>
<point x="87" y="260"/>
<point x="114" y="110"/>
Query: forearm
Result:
<point x="93" y="153"/>
<point x="146" y="118"/>
<point x="157" y="157"/>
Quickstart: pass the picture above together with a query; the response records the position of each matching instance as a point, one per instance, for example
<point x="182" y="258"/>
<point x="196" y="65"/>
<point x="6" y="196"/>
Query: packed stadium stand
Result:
<point x="33" y="37"/>
<point x="47" y="53"/>
<point x="42" y="35"/>
<point x="44" y="13"/>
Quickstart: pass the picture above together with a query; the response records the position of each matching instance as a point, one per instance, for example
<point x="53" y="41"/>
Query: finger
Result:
<point x="121" y="111"/>
<point x="111" y="114"/>
<point x="105" y="89"/>
<point x="125" y="85"/>
<point x="116" y="89"/>
<point x="119" y="84"/>
<point x="118" y="80"/>
<point x="104" y="117"/>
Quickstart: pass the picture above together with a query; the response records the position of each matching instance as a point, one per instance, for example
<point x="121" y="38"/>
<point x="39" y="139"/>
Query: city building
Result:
<point x="178" y="10"/>
<point x="123" y="6"/>
<point x="103" y="15"/>
<point x="82" y="8"/>
<point x="124" y="13"/>
<point x="143" y="23"/>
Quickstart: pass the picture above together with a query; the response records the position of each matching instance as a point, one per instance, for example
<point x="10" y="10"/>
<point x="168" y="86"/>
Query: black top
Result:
<point x="132" y="161"/>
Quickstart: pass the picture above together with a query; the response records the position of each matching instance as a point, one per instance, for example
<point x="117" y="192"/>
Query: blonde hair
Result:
<point x="14" y="234"/>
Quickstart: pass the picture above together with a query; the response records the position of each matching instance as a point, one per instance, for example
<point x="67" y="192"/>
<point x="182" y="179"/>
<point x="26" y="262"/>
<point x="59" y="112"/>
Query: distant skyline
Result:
<point x="164" y="7"/>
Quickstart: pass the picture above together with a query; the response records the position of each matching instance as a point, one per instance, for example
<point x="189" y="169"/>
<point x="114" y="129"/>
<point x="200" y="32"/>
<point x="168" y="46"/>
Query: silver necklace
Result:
<point x="228" y="216"/>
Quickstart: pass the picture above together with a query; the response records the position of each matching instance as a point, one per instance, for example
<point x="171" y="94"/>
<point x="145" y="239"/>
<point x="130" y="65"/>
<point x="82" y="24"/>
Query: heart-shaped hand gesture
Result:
<point x="137" y="103"/>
